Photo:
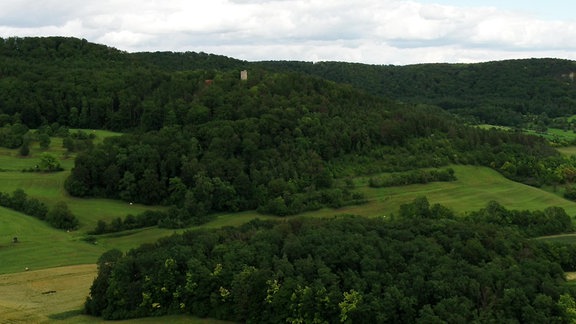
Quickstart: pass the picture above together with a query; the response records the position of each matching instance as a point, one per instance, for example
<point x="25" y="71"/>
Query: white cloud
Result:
<point x="371" y="31"/>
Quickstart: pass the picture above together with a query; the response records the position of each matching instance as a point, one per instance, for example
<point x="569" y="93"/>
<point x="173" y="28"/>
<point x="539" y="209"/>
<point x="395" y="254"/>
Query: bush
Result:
<point x="412" y="177"/>
<point x="61" y="217"/>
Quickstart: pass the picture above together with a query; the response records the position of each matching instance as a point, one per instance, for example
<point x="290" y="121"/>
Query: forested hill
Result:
<point x="205" y="141"/>
<point x="501" y="92"/>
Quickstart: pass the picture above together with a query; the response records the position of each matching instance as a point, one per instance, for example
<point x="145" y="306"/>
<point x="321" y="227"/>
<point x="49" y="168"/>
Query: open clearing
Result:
<point x="567" y="150"/>
<point x="32" y="296"/>
<point x="57" y="295"/>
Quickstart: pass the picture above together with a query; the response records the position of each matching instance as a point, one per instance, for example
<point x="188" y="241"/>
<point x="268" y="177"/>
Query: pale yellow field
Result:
<point x="57" y="295"/>
<point x="32" y="296"/>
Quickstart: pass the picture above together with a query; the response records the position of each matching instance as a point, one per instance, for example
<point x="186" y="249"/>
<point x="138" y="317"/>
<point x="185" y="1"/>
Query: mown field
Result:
<point x="567" y="150"/>
<point x="57" y="258"/>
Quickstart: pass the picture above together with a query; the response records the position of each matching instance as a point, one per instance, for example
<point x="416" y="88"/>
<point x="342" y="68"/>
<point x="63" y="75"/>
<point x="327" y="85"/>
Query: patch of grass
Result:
<point x="39" y="246"/>
<point x="561" y="238"/>
<point x="488" y="126"/>
<point x="66" y="314"/>
<point x="474" y="187"/>
<point x="567" y="150"/>
<point x="49" y="188"/>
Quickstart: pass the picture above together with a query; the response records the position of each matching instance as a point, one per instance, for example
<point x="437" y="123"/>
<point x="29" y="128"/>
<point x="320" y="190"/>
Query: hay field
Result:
<point x="34" y="296"/>
<point x="57" y="295"/>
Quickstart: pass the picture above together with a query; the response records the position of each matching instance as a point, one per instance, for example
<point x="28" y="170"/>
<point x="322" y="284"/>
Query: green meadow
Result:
<point x="42" y="247"/>
<point x="45" y="247"/>
<point x="474" y="187"/>
<point x="38" y="245"/>
<point x="567" y="150"/>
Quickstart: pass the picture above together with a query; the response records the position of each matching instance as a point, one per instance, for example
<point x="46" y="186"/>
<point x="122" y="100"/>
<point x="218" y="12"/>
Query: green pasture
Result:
<point x="567" y="150"/>
<point x="488" y="126"/>
<point x="39" y="245"/>
<point x="10" y="160"/>
<point x="49" y="188"/>
<point x="474" y="187"/>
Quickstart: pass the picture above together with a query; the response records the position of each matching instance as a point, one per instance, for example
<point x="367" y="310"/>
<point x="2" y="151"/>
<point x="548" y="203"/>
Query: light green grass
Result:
<point x="473" y="189"/>
<point x="475" y="186"/>
<point x="10" y="160"/>
<point x="567" y="150"/>
<point x="555" y="134"/>
<point x="488" y="126"/>
<point x="39" y="246"/>
<point x="49" y="188"/>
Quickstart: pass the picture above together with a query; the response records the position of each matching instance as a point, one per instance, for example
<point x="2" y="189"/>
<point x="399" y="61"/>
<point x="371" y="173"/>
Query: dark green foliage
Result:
<point x="19" y="201"/>
<point x="12" y="136"/>
<point x="552" y="220"/>
<point x="562" y="253"/>
<point x="570" y="192"/>
<point x="60" y="216"/>
<point x="500" y="93"/>
<point x="44" y="140"/>
<point x="24" y="149"/>
<point x="412" y="177"/>
<point x="49" y="163"/>
<point x="172" y="218"/>
<point x="278" y="144"/>
<point x="347" y="269"/>
<point x="190" y="117"/>
<point x="96" y="302"/>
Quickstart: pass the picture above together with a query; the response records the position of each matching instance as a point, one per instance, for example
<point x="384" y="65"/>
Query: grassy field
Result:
<point x="474" y="187"/>
<point x="47" y="252"/>
<point x="57" y="295"/>
<point x="567" y="150"/>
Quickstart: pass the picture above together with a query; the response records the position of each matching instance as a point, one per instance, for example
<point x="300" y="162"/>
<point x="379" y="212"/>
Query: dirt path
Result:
<point x="31" y="296"/>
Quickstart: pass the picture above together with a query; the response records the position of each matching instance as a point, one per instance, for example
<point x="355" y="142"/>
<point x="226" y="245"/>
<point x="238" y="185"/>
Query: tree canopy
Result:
<point x="428" y="266"/>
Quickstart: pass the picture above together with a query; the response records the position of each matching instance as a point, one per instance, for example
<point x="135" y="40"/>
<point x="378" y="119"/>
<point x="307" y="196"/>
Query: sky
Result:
<point x="395" y="32"/>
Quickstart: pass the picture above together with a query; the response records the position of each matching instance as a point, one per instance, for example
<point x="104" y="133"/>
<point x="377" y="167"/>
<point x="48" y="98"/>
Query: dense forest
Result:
<point x="425" y="267"/>
<point x="512" y="93"/>
<point x="200" y="140"/>
<point x="204" y="141"/>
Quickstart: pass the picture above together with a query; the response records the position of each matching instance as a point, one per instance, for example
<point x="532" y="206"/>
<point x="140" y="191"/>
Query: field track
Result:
<point x="32" y="296"/>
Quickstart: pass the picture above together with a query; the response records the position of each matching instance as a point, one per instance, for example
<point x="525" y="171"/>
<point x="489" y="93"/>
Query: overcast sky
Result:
<point x="368" y="31"/>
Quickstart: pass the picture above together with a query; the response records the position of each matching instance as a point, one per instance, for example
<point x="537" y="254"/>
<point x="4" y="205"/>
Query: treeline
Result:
<point x="412" y="177"/>
<point x="512" y="92"/>
<point x="59" y="216"/>
<point x="552" y="220"/>
<point x="422" y="268"/>
<point x="173" y="217"/>
<point x="532" y="223"/>
<point x="85" y="85"/>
